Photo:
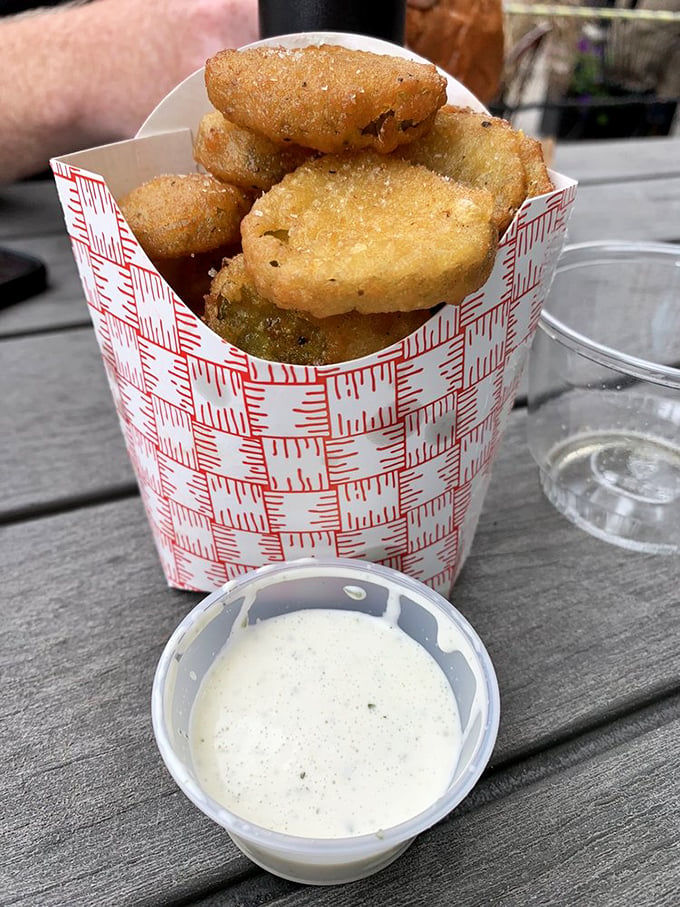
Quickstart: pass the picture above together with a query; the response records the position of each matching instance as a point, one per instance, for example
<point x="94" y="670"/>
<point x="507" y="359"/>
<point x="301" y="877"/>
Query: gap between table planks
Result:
<point x="93" y="614"/>
<point x="589" y="674"/>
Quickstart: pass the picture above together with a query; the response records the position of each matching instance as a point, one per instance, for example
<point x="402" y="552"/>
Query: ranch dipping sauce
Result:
<point x="325" y="723"/>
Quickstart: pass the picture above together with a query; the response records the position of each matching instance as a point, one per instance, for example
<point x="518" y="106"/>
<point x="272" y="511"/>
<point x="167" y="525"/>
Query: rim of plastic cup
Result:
<point x="346" y="847"/>
<point x="555" y="328"/>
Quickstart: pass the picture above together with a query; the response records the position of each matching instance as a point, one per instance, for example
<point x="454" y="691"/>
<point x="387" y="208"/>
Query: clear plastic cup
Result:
<point x="604" y="393"/>
<point x="327" y="583"/>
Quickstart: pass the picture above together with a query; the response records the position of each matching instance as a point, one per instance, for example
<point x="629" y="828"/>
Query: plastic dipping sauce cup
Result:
<point x="345" y="585"/>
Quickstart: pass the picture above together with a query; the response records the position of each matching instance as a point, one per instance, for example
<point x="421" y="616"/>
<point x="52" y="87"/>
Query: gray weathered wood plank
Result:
<point x="548" y="768"/>
<point x="90" y="613"/>
<point x="90" y="815"/>
<point x="60" y="434"/>
<point x="581" y="632"/>
<point x="30" y="208"/>
<point x="62" y="304"/>
<point x="604" y="832"/>
<point x="580" y="614"/>
<point x="645" y="210"/>
<point x="86" y="455"/>
<point x="619" y="159"/>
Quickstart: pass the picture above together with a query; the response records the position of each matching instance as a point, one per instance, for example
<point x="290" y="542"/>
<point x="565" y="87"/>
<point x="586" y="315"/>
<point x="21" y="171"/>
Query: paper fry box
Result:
<point x="243" y="462"/>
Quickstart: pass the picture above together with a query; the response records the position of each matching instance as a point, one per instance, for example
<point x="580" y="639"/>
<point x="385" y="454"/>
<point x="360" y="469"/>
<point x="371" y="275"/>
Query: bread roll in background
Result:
<point x="463" y="37"/>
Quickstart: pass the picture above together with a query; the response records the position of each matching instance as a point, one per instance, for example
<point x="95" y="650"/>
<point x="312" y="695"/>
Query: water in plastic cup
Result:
<point x="604" y="393"/>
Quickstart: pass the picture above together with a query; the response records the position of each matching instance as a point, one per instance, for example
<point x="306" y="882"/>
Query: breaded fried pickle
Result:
<point x="486" y="152"/>
<point x="238" y="313"/>
<point x="368" y="232"/>
<point x="174" y="216"/>
<point x="478" y="150"/>
<point x="538" y="179"/>
<point x="329" y="98"/>
<point x="242" y="157"/>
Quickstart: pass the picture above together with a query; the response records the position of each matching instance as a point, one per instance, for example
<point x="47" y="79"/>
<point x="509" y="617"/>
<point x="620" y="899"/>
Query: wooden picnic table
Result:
<point x="580" y="804"/>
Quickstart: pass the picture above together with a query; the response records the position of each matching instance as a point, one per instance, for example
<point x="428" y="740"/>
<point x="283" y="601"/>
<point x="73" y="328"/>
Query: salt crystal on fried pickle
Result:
<point x="478" y="150"/>
<point x="242" y="157"/>
<point x="326" y="97"/>
<point x="371" y="233"/>
<point x="177" y="215"/>
<point x="486" y="152"/>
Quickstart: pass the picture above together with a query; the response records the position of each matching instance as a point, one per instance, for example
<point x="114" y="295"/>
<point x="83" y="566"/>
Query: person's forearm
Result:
<point x="76" y="77"/>
<point x="49" y="70"/>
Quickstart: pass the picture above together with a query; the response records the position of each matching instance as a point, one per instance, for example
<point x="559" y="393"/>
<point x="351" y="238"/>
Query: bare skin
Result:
<point x="83" y="75"/>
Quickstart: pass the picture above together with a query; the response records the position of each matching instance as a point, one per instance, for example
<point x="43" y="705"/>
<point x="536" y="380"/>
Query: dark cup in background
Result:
<point x="376" y="18"/>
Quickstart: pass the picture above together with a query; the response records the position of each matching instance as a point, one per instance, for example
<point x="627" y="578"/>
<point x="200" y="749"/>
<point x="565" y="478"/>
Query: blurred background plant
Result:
<point x="589" y="70"/>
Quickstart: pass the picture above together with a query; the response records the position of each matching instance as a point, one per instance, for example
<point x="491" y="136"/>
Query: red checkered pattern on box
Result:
<point x="242" y="462"/>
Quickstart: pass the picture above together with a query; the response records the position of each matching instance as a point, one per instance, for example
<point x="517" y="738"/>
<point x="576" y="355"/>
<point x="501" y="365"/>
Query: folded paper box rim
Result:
<point x="243" y="462"/>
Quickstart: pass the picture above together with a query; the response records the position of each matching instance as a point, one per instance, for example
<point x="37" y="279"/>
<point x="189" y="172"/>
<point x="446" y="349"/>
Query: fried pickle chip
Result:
<point x="178" y="215"/>
<point x="242" y="157"/>
<point x="478" y="150"/>
<point x="238" y="313"/>
<point x="538" y="179"/>
<point x="368" y="232"/>
<point x="326" y="97"/>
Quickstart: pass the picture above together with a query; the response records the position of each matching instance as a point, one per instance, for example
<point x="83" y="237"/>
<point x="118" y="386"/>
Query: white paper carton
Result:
<point x="243" y="462"/>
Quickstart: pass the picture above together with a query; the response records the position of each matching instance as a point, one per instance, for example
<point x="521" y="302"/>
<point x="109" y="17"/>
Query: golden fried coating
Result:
<point x="368" y="232"/>
<point x="174" y="216"/>
<point x="242" y="157"/>
<point x="538" y="180"/>
<point x="478" y="150"/>
<point x="329" y="98"/>
<point x="238" y="313"/>
<point x="190" y="276"/>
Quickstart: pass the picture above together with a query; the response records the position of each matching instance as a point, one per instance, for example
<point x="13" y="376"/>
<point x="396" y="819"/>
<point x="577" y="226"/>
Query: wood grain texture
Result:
<point x="569" y="620"/>
<point x="646" y="210"/>
<point x="87" y="615"/>
<point x="30" y="208"/>
<point x="60" y="435"/>
<point x="62" y="304"/>
<point x="580" y="804"/>
<point x="619" y="160"/>
<point x="604" y="832"/>
<point x="90" y="815"/>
